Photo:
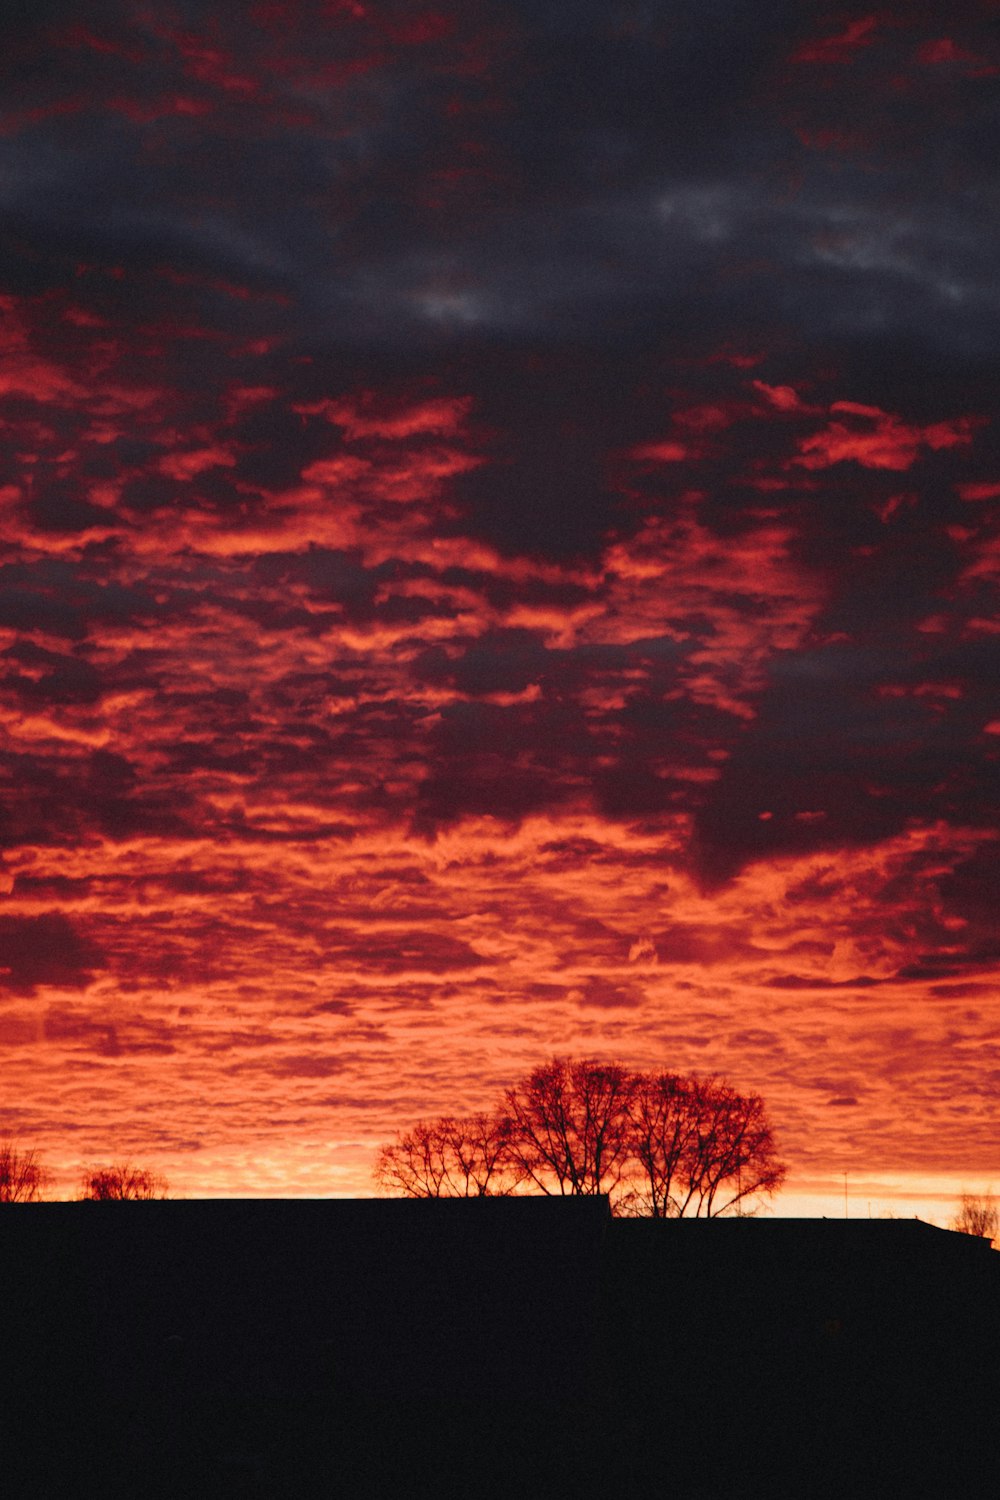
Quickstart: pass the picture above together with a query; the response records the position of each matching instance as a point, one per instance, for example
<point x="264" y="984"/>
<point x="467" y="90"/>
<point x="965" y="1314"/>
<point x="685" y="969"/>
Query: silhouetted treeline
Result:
<point x="24" y="1178"/>
<point x="979" y="1214"/>
<point x="660" y="1144"/>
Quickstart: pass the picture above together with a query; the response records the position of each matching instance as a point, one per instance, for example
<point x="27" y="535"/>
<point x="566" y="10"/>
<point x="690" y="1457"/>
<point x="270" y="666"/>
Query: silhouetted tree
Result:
<point x="121" y="1180"/>
<point x="658" y="1144"/>
<point x="978" y="1214"/>
<point x="701" y="1148"/>
<point x="568" y="1125"/>
<point x="23" y="1179"/>
<point x="449" y="1158"/>
<point x="663" y="1118"/>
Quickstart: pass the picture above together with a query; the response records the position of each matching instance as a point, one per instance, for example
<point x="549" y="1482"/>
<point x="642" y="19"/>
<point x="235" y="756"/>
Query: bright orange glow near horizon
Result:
<point x="497" y="559"/>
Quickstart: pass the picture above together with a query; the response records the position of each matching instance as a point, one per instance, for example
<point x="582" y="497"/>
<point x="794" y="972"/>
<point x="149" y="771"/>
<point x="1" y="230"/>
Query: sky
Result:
<point x="499" y="557"/>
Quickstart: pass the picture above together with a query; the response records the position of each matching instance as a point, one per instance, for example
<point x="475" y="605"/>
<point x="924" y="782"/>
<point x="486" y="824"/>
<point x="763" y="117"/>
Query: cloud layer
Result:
<point x="499" y="554"/>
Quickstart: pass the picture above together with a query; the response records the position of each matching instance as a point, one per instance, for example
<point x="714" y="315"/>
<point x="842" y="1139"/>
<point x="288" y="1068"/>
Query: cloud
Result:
<point x="479" y="484"/>
<point x="44" y="950"/>
<point x="876" y="439"/>
<point x="840" y="47"/>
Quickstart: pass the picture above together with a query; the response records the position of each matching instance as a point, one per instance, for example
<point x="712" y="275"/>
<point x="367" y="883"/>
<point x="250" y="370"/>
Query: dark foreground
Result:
<point x="529" y="1348"/>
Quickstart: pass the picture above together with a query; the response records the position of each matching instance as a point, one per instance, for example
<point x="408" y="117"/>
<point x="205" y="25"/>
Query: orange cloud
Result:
<point x="879" y="440"/>
<point x="395" y="686"/>
<point x="978" y="490"/>
<point x="664" y="453"/>
<point x="361" y="417"/>
<point x="781" y="396"/>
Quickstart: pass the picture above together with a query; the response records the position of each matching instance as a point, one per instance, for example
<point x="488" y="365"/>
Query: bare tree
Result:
<point x="701" y="1148"/>
<point x="23" y="1179"/>
<point x="568" y="1125"/>
<point x="658" y="1144"/>
<point x="449" y="1158"/>
<point x="978" y="1214"/>
<point x="734" y="1156"/>
<point x="121" y="1180"/>
<point x="663" y="1120"/>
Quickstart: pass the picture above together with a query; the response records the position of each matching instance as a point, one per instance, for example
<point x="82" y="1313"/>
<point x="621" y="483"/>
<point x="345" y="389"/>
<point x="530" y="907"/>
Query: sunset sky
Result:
<point x="499" y="556"/>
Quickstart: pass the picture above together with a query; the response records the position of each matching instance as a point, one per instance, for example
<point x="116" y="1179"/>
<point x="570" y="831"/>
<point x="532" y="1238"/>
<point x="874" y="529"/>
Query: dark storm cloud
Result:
<point x="573" y="209"/>
<point x="331" y="576"/>
<point x="56" y="505"/>
<point x="58" y="799"/>
<point x="466" y="469"/>
<point x="502" y="761"/>
<point x="276" y="444"/>
<point x="53" y="678"/>
<point x="654" y="184"/>
<point x="510" y="660"/>
<point x="106" y="1037"/>
<point x="64" y="599"/>
<point x="510" y="759"/>
<point x="850" y="745"/>
<point x="972" y="892"/>
<point x="44" y="950"/>
<point x="558" y="205"/>
<point x="616" y="168"/>
<point x="601" y="994"/>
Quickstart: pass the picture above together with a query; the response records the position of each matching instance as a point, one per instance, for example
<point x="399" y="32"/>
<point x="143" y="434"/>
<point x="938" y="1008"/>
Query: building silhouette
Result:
<point x="522" y="1347"/>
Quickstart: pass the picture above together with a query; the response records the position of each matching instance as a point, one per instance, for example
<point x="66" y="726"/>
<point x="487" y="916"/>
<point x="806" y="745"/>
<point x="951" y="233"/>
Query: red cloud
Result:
<point x="294" y="770"/>
<point x="210" y="64"/>
<point x="366" y="415"/>
<point x="945" y="50"/>
<point x="662" y="453"/>
<point x="978" y="490"/>
<point x="878" y="439"/>
<point x="78" y="35"/>
<point x="942" y="50"/>
<point x="142" y="111"/>
<point x="781" y="396"/>
<point x="841" y="48"/>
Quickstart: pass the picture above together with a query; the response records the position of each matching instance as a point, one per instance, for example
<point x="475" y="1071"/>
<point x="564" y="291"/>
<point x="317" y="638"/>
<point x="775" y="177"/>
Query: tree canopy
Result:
<point x="978" y="1213"/>
<point x="121" y="1180"/>
<point x="22" y="1175"/>
<point x="567" y="1124"/>
<point x="661" y="1145"/>
<point x="448" y="1158"/>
